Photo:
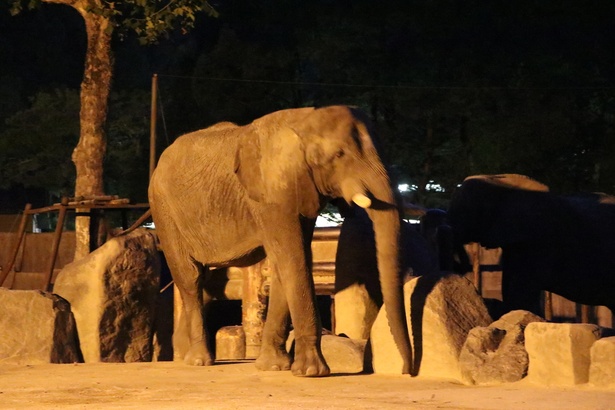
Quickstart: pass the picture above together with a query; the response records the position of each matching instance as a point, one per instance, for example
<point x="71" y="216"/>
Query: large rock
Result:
<point x="113" y="293"/>
<point x="602" y="367"/>
<point x="230" y="343"/>
<point x="36" y="327"/>
<point x="343" y="355"/>
<point x="559" y="352"/>
<point x="355" y="312"/>
<point x="441" y="312"/>
<point x="496" y="353"/>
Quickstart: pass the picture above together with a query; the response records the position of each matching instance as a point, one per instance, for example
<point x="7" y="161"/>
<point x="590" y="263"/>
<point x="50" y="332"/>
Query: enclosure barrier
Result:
<point x="91" y="206"/>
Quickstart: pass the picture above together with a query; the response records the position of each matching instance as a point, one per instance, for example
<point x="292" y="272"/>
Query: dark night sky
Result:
<point x="438" y="44"/>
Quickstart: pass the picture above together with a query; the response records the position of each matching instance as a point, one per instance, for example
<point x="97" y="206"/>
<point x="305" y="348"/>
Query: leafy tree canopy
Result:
<point x="148" y="19"/>
<point x="36" y="145"/>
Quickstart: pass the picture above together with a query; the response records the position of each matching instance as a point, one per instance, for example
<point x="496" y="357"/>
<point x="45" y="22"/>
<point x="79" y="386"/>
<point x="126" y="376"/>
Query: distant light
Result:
<point x="407" y="187"/>
<point x="433" y="186"/>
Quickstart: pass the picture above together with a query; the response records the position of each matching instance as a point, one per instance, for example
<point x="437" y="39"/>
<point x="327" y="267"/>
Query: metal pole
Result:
<point x="152" y="130"/>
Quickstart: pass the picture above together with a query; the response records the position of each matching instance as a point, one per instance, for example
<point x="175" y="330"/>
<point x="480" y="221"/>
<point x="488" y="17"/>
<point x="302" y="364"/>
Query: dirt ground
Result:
<point x="172" y="385"/>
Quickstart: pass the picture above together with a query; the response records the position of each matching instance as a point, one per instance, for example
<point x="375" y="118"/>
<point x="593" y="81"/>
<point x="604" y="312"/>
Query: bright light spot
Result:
<point x="406" y="187"/>
<point x="433" y="186"/>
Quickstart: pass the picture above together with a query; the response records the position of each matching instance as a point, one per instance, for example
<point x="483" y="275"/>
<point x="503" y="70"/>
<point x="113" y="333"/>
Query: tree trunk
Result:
<point x="90" y="151"/>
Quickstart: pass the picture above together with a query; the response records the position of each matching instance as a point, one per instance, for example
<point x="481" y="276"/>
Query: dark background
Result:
<point x="455" y="87"/>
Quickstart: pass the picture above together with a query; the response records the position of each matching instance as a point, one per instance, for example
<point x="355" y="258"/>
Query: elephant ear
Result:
<point x="270" y="163"/>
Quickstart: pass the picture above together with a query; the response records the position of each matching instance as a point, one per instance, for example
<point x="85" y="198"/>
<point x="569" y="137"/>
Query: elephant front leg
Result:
<point x="296" y="290"/>
<point x="308" y="360"/>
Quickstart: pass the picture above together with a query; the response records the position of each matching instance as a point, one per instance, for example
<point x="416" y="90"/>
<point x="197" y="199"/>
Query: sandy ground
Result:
<point x="171" y="385"/>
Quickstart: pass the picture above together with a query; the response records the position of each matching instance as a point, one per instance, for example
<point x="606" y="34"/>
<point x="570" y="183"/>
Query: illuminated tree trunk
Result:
<point x="90" y="151"/>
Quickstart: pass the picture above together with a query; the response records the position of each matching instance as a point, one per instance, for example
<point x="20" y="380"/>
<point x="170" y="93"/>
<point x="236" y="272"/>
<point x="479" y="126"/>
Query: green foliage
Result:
<point x="36" y="146"/>
<point x="148" y="19"/>
<point x="127" y="160"/>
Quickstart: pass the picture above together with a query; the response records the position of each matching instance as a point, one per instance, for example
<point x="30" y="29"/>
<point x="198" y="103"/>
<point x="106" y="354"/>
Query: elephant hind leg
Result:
<point x="273" y="354"/>
<point x="190" y="340"/>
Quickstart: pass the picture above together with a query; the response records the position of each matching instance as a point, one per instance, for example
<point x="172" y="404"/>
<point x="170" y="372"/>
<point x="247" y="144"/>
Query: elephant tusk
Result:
<point x="361" y="200"/>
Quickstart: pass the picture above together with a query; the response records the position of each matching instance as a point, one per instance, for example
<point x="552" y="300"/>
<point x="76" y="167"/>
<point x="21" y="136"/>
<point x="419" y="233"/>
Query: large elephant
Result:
<point x="229" y="195"/>
<point x="560" y="243"/>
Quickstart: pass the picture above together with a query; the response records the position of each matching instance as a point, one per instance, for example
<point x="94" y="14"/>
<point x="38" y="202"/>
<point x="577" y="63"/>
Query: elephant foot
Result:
<point x="309" y="362"/>
<point x="273" y="360"/>
<point x="198" y="356"/>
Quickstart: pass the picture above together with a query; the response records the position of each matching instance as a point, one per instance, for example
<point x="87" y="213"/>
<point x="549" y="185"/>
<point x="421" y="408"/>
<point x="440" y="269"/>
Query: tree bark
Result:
<point x="89" y="153"/>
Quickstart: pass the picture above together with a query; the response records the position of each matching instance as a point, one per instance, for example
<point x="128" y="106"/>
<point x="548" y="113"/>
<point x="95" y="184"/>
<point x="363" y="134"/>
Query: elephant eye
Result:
<point x="339" y="153"/>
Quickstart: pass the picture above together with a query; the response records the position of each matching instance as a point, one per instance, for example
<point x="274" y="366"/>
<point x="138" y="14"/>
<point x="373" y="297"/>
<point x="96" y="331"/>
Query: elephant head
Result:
<point x="302" y="158"/>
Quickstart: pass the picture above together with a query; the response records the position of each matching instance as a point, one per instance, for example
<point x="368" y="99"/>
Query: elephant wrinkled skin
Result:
<point x="227" y="195"/>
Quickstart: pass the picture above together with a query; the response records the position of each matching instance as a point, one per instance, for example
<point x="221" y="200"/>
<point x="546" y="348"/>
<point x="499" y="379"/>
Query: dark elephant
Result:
<point x="356" y="262"/>
<point x="559" y="243"/>
<point x="228" y="195"/>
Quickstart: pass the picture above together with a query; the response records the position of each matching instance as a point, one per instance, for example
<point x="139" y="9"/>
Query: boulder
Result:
<point x="36" y="327"/>
<point x="355" y="312"/>
<point x="343" y="355"/>
<point x="113" y="293"/>
<point x="602" y="367"/>
<point x="230" y="343"/>
<point x="441" y="311"/>
<point x="559" y="353"/>
<point x="496" y="353"/>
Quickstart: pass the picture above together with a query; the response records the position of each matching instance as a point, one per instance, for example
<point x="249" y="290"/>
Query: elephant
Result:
<point x="356" y="261"/>
<point x="559" y="243"/>
<point x="231" y="195"/>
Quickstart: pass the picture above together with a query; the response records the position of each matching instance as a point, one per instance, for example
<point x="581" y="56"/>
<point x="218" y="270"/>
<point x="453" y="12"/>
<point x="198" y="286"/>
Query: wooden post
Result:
<point x="253" y="307"/>
<point x="585" y="313"/>
<point x="152" y="129"/>
<point x="20" y="234"/>
<point x="55" y="246"/>
<point x="476" y="274"/>
<point x="548" y="306"/>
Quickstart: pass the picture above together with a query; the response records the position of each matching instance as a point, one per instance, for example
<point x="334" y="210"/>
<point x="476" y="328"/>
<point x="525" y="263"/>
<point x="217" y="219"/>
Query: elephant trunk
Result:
<point x="386" y="222"/>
